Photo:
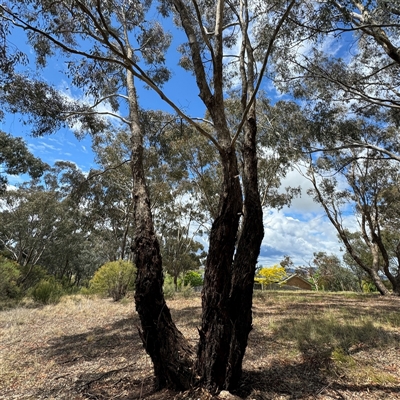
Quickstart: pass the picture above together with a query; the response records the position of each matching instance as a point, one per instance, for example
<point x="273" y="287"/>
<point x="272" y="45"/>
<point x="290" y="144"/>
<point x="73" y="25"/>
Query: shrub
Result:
<point x="47" y="291"/>
<point x="32" y="275"/>
<point x="86" y="292"/>
<point x="169" y="287"/>
<point x="187" y="291"/>
<point x="368" y="287"/>
<point x="114" y="279"/>
<point x="9" y="274"/>
<point x="193" y="279"/>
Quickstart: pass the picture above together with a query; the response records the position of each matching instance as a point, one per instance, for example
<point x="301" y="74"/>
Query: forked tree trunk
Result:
<point x="216" y="328"/>
<point x="228" y="285"/>
<point x="244" y="266"/>
<point x="170" y="353"/>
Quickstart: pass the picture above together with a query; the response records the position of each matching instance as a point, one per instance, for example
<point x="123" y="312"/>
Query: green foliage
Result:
<point x="47" y="291"/>
<point x="9" y="274"/>
<point x="32" y="275"/>
<point x="114" y="279"/>
<point x="187" y="291"/>
<point x="368" y="287"/>
<point x="169" y="287"/>
<point x="16" y="159"/>
<point x="331" y="275"/>
<point x="193" y="279"/>
<point x="268" y="275"/>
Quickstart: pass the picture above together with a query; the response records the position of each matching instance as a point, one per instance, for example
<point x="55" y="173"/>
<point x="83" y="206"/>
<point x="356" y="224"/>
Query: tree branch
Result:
<point x="263" y="68"/>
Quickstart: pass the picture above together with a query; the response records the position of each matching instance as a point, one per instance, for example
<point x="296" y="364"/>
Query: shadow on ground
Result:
<point x="109" y="361"/>
<point x="305" y="380"/>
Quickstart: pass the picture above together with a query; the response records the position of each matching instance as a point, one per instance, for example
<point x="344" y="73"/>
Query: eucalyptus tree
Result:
<point x="78" y="247"/>
<point x="363" y="191"/>
<point x="364" y="253"/>
<point x="182" y="165"/>
<point x="16" y="159"/>
<point x="180" y="252"/>
<point x="353" y="49"/>
<point x="106" y="194"/>
<point x="112" y="45"/>
<point x="350" y="66"/>
<point x="332" y="275"/>
<point x="29" y="222"/>
<point x="237" y="231"/>
<point x="41" y="225"/>
<point x="109" y="44"/>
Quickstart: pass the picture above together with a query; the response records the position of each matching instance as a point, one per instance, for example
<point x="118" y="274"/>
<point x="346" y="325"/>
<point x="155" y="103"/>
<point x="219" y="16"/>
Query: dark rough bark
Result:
<point x="170" y="353"/>
<point x="228" y="286"/>
<point x="248" y="249"/>
<point x="396" y="287"/>
<point x="216" y="328"/>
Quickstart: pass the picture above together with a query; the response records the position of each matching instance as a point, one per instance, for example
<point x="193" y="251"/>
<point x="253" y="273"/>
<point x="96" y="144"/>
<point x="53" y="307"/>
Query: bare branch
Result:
<point x="263" y="68"/>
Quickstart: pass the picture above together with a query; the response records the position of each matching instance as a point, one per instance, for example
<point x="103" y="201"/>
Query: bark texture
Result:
<point x="230" y="269"/>
<point x="248" y="249"/>
<point x="216" y="328"/>
<point x="170" y="353"/>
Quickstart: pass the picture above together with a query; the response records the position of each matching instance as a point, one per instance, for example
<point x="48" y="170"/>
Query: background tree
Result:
<point x="268" y="275"/>
<point x="16" y="159"/>
<point x="180" y="251"/>
<point x="29" y="222"/>
<point x="287" y="263"/>
<point x="367" y="177"/>
<point x="336" y="80"/>
<point x="41" y="225"/>
<point x="116" y="60"/>
<point x="364" y="253"/>
<point x="332" y="275"/>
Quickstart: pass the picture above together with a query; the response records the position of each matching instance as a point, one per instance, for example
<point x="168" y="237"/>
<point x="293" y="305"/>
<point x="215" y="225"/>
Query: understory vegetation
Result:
<point x="304" y="345"/>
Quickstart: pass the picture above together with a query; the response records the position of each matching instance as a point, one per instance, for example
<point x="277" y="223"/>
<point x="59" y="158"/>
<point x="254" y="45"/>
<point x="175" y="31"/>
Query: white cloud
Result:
<point x="298" y="238"/>
<point x="40" y="147"/>
<point x="301" y="229"/>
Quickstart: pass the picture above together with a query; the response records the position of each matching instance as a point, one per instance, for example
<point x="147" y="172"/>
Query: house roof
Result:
<point x="295" y="276"/>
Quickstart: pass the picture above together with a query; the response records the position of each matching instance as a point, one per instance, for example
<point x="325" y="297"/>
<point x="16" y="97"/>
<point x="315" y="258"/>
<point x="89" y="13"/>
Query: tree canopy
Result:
<point x="164" y="178"/>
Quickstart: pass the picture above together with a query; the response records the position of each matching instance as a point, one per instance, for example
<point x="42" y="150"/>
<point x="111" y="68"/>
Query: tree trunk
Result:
<point x="244" y="266"/>
<point x="373" y="272"/>
<point x="396" y="286"/>
<point x="216" y="328"/>
<point x="382" y="289"/>
<point x="228" y="285"/>
<point x="170" y="353"/>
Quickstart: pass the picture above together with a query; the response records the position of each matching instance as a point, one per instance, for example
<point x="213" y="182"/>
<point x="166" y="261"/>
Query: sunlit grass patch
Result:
<point x="320" y="335"/>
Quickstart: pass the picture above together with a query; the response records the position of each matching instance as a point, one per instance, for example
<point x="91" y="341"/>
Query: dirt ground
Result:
<point x="303" y="346"/>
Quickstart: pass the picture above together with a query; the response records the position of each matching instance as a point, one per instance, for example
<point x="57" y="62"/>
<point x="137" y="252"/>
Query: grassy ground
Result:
<point x="303" y="346"/>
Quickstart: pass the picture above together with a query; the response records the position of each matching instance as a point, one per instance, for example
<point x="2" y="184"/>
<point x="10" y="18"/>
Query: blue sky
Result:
<point x="298" y="231"/>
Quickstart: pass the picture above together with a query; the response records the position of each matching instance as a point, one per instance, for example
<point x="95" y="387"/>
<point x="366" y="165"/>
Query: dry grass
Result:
<point x="303" y="346"/>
